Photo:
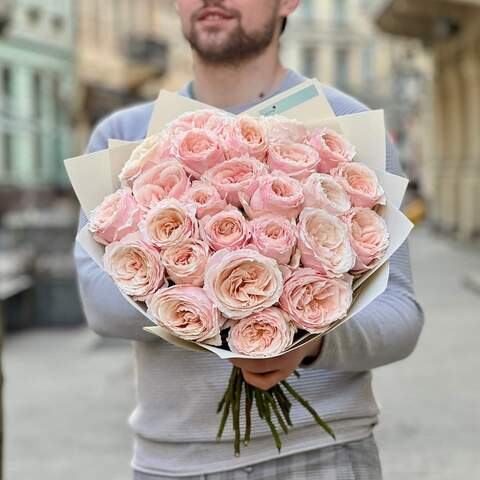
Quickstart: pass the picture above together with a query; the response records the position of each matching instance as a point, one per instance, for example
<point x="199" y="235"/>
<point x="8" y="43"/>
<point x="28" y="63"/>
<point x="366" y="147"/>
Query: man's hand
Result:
<point x="266" y="373"/>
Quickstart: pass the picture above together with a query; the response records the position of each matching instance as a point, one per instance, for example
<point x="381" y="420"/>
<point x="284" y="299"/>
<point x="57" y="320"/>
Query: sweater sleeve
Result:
<point x="106" y="311"/>
<point x="385" y="331"/>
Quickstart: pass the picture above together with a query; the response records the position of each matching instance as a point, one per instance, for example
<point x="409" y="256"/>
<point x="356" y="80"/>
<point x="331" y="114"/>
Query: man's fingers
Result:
<point x="264" y="381"/>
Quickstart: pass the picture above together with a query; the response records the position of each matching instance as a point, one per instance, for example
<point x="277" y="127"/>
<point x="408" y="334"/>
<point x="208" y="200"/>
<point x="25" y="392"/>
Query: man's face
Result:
<point x="228" y="31"/>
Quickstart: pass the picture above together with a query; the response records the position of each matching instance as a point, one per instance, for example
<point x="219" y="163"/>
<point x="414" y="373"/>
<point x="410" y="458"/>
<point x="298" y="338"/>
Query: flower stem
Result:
<point x="275" y="410"/>
<point x="236" y="411"/>
<point x="248" y="413"/>
<point x="226" y="402"/>
<point x="308" y="407"/>
<point x="284" y="403"/>
<point x="268" y="419"/>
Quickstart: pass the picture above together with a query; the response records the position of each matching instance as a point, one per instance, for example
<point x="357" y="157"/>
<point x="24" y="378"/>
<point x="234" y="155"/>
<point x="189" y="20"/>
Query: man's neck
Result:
<point x="224" y="86"/>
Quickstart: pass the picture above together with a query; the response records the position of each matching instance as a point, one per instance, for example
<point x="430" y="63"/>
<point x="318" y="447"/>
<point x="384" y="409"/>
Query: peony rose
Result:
<point x="262" y="334"/>
<point x="276" y="194"/>
<point x="295" y="159"/>
<point x="146" y="155"/>
<point x="135" y="266"/>
<point x="323" y="191"/>
<point x="323" y="241"/>
<point x="368" y="237"/>
<point x="117" y="216"/>
<point x="166" y="180"/>
<point x="283" y="129"/>
<point x="242" y="282"/>
<point x="245" y="136"/>
<point x="234" y="176"/>
<point x="169" y="223"/>
<point x="205" y="198"/>
<point x="206" y="118"/>
<point x="187" y="313"/>
<point x="198" y="150"/>
<point x="361" y="184"/>
<point x="226" y="229"/>
<point x="332" y="147"/>
<point x="314" y="301"/>
<point x="275" y="237"/>
<point x="185" y="262"/>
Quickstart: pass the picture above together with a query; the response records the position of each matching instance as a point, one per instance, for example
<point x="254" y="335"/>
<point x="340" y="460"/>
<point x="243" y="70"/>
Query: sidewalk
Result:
<point x="69" y="393"/>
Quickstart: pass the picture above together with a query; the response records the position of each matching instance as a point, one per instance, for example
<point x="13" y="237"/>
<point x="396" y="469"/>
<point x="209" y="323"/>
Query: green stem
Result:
<point x="276" y="436"/>
<point x="284" y="403"/>
<point x="277" y="413"/>
<point x="258" y="401"/>
<point x="236" y="412"/>
<point x="222" y="401"/>
<point x="226" y="406"/>
<point x="308" y="407"/>
<point x="248" y="413"/>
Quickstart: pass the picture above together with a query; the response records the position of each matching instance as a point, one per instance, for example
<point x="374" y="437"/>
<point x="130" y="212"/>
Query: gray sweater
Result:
<point x="174" y="422"/>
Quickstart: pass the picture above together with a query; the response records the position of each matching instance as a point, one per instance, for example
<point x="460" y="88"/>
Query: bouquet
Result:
<point x="246" y="235"/>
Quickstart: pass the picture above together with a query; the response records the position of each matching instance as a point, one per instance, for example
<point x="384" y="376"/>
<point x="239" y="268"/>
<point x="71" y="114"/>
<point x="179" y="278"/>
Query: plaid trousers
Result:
<point x="357" y="460"/>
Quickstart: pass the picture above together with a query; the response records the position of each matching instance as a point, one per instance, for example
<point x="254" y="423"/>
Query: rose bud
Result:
<point x="324" y="243"/>
<point x="135" y="266"/>
<point x="241" y="282"/>
<point x="187" y="313"/>
<point x="315" y="301"/>
<point x="368" y="236"/>
<point x="262" y="334"/>
<point x="323" y="191"/>
<point x="361" y="184"/>
<point x="332" y="147"/>
<point x="170" y="222"/>
<point x="117" y="216"/>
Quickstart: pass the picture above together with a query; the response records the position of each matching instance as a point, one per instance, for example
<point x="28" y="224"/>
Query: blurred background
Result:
<point x="65" y="64"/>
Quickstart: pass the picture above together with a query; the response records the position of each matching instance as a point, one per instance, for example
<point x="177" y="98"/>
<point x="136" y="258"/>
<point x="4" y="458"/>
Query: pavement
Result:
<point x="68" y="393"/>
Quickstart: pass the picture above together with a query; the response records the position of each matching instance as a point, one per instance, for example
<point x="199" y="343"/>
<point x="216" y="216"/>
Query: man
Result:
<point x="236" y="64"/>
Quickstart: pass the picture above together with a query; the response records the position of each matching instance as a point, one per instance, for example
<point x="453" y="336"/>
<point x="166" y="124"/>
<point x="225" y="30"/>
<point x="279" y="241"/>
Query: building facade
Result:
<point x="338" y="42"/>
<point x="450" y="32"/>
<point x="127" y="51"/>
<point x="37" y="85"/>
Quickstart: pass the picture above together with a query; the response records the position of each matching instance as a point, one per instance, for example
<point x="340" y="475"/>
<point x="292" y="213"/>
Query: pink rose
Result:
<point x="314" y="301"/>
<point x="117" y="216"/>
<point x="332" y="147"/>
<point x="234" y="176"/>
<point x="295" y="159"/>
<point x="198" y="150"/>
<point x="187" y="313"/>
<point x="323" y="241"/>
<point x="226" y="229"/>
<point x="169" y="223"/>
<point x="245" y="136"/>
<point x="361" y="184"/>
<point x="262" y="334"/>
<point x="145" y="156"/>
<point x="206" y="118"/>
<point x="166" y="180"/>
<point x="275" y="237"/>
<point x="186" y="261"/>
<point x="368" y="236"/>
<point x="135" y="266"/>
<point x="242" y="282"/>
<point x="205" y="198"/>
<point x="323" y="191"/>
<point x="282" y="129"/>
<point x="276" y="194"/>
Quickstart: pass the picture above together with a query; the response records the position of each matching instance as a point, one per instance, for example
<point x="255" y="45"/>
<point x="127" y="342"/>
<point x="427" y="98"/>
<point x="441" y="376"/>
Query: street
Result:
<point x="68" y="392"/>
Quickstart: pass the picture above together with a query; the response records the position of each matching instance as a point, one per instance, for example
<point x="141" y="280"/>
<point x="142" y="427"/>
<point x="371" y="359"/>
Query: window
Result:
<point x="5" y="89"/>
<point x="340" y="12"/>
<point x="368" y="63"/>
<point x="309" y="61"/>
<point x="7" y="153"/>
<point x="307" y="10"/>
<point x="33" y="15"/>
<point x="342" y="68"/>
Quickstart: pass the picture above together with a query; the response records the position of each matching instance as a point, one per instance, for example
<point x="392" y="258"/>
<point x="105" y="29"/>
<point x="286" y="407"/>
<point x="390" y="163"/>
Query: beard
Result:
<point x="237" y="47"/>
